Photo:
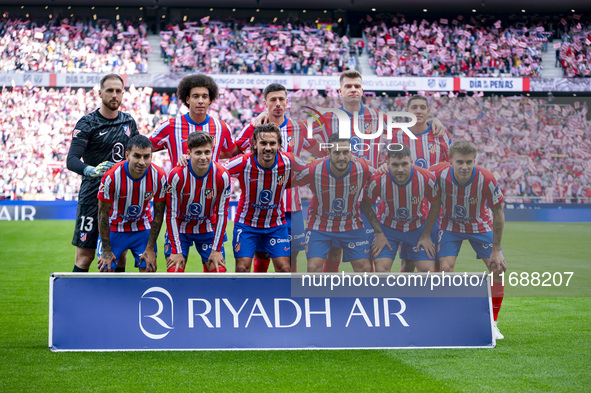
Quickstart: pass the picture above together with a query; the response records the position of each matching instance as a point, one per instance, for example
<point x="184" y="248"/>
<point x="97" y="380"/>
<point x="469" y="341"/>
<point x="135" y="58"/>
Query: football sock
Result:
<point x="174" y="269"/>
<point x="331" y="266"/>
<point x="79" y="270"/>
<point x="221" y="269"/>
<point x="497" y="291"/>
<point x="261" y="265"/>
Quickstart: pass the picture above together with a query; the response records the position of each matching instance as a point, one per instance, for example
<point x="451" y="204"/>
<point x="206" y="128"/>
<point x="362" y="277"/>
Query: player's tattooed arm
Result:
<point x="380" y="241"/>
<point x="149" y="256"/>
<point x="106" y="257"/>
<point x="498" y="225"/>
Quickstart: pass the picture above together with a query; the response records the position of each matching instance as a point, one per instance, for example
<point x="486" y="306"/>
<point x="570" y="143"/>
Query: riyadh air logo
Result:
<point x="153" y="315"/>
<point x="265" y="196"/>
<point x="133" y="211"/>
<point x="195" y="209"/>
<point x="459" y="211"/>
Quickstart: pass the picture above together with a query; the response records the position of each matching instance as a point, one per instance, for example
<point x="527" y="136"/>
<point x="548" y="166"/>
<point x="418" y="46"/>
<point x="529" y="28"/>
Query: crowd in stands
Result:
<point x="537" y="150"/>
<point x="477" y="46"/>
<point x="72" y="46"/>
<point x="236" y="48"/>
<point x="573" y="53"/>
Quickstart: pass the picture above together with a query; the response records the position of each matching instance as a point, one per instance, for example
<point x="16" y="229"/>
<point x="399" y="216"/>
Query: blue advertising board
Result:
<point x="132" y="311"/>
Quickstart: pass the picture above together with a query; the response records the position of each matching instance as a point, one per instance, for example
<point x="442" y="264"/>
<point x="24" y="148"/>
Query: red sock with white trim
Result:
<point x="221" y="269"/>
<point x="497" y="292"/>
<point x="261" y="265"/>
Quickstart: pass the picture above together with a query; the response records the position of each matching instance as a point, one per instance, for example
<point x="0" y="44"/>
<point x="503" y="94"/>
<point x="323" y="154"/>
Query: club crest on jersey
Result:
<point x="127" y="130"/>
<point x="148" y="195"/>
<point x="290" y="141"/>
<point x="415" y="200"/>
<point x="473" y="200"/>
<point x="366" y="125"/>
<point x="280" y="179"/>
<point x="209" y="193"/>
<point x="353" y="189"/>
<point x="432" y="148"/>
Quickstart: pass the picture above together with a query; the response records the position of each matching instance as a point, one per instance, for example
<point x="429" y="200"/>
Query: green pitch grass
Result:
<point x="547" y="346"/>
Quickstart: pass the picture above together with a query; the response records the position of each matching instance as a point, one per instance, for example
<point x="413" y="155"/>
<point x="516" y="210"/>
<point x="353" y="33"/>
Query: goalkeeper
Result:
<point x="99" y="140"/>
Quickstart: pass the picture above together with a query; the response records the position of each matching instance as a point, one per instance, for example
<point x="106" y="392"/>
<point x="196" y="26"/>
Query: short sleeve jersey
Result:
<point x="130" y="198"/>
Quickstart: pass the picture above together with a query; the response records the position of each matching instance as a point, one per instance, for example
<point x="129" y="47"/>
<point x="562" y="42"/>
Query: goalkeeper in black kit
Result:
<point x="99" y="139"/>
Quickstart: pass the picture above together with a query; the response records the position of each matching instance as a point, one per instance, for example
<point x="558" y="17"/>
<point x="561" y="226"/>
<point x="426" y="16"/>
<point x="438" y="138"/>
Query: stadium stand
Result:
<point x="71" y="46"/>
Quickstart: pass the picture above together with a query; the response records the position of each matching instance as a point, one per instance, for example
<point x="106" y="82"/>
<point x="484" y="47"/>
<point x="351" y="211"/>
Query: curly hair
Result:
<point x="196" y="80"/>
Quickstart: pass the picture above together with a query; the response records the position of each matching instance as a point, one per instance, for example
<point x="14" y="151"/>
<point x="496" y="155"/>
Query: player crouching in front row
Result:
<point x="125" y="220"/>
<point x="404" y="189"/>
<point x="197" y="203"/>
<point x="466" y="194"/>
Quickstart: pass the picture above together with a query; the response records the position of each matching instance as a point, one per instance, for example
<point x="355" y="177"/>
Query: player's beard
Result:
<point x="112" y="105"/>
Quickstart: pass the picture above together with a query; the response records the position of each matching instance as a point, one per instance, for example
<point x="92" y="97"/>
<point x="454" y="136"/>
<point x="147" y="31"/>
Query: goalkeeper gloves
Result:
<point x="96" y="171"/>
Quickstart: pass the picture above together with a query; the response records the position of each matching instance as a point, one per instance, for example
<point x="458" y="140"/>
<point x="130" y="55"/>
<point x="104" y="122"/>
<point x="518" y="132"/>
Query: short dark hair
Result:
<point x="196" y="80"/>
<point x="336" y="138"/>
<point x="401" y="152"/>
<point x="417" y="97"/>
<point x="266" y="127"/>
<point x="198" y="139"/>
<point x="139" y="141"/>
<point x="462" y="147"/>
<point x="273" y="87"/>
<point x="111" y="76"/>
<point x="351" y="74"/>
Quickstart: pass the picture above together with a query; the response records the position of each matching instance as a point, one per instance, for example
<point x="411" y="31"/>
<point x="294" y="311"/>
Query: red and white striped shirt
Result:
<point x="427" y="150"/>
<point x="466" y="208"/>
<point x="403" y="202"/>
<point x="293" y="140"/>
<point x="367" y="123"/>
<point x="130" y="198"/>
<point x="197" y="204"/>
<point x="173" y="134"/>
<point x="334" y="206"/>
<point x="260" y="204"/>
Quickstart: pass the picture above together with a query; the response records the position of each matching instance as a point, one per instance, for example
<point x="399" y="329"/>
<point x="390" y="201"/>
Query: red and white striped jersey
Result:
<point x="260" y="204"/>
<point x="466" y="208"/>
<point x="293" y="140"/>
<point x="426" y="150"/>
<point x="173" y="134"/>
<point x="197" y="204"/>
<point x="367" y="123"/>
<point x="130" y="198"/>
<point x="403" y="202"/>
<point x="334" y="206"/>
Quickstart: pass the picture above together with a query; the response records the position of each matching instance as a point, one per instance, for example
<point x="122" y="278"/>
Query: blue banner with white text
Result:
<point x="110" y="312"/>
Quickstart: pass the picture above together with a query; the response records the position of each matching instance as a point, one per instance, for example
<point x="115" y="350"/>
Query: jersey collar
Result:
<point x="126" y="166"/>
<point x="361" y="112"/>
<point x="190" y="121"/>
<point x="266" y="169"/>
<point x="327" y="163"/>
<point x="428" y="130"/>
<point x="412" y="172"/>
<point x="194" y="174"/>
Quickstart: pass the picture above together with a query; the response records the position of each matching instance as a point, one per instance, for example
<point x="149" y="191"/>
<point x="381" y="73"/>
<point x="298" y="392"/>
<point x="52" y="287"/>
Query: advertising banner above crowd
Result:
<point x="296" y="82"/>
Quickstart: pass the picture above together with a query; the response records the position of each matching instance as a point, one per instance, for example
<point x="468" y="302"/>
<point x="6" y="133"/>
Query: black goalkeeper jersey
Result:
<point x="96" y="139"/>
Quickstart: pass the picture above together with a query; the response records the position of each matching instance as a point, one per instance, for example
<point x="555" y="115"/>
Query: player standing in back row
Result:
<point x="100" y="139"/>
